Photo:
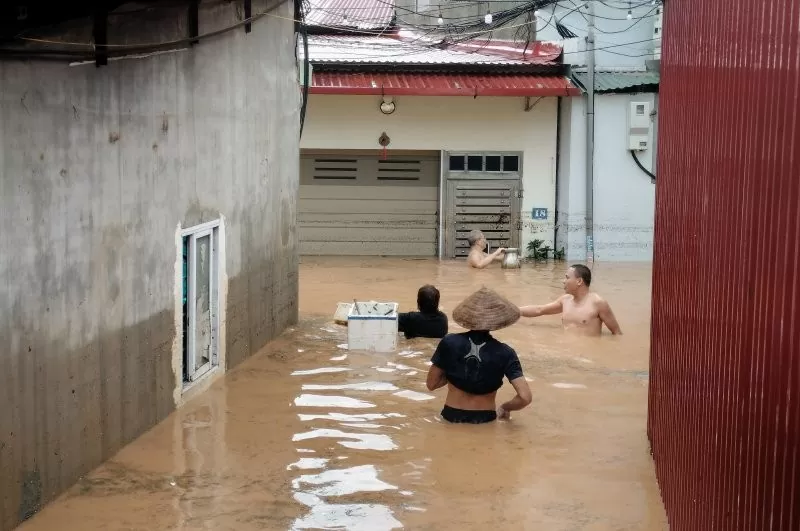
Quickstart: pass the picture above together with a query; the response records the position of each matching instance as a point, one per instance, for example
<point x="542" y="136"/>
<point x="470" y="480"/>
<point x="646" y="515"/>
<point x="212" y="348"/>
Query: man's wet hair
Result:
<point x="474" y="236"/>
<point x="428" y="299"/>
<point x="583" y="273"/>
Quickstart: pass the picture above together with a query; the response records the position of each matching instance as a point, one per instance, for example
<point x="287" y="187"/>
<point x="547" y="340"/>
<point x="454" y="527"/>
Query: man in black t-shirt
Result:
<point x="428" y="321"/>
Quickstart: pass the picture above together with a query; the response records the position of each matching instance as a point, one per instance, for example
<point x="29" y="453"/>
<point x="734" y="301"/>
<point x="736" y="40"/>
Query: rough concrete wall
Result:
<point x="100" y="167"/>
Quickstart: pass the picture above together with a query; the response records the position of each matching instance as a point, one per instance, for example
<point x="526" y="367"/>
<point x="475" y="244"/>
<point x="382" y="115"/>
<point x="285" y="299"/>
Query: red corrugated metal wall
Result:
<point x="724" y="412"/>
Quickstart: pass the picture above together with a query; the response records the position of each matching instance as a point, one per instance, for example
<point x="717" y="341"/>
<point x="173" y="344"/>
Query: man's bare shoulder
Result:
<point x="598" y="300"/>
<point x="564" y="299"/>
<point x="474" y="259"/>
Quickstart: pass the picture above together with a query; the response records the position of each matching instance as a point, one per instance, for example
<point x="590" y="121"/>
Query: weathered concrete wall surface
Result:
<point x="99" y="167"/>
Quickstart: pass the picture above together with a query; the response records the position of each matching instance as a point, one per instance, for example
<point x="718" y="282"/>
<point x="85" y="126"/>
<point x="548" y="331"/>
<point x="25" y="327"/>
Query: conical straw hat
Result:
<point x="485" y="310"/>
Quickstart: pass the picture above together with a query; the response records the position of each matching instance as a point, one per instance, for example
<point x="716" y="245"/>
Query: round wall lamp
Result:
<point x="387" y="106"/>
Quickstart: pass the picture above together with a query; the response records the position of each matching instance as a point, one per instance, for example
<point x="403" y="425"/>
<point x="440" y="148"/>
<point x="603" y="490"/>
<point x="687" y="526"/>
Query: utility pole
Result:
<point x="590" y="133"/>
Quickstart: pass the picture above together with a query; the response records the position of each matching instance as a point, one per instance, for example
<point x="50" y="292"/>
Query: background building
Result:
<point x="546" y="127"/>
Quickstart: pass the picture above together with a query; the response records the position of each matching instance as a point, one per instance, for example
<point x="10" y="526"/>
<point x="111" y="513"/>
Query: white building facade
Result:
<point x="626" y="77"/>
<point x="470" y="142"/>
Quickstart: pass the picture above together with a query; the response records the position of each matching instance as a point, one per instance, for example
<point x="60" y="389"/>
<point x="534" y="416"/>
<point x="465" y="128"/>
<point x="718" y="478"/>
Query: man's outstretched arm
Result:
<point x="553" y="308"/>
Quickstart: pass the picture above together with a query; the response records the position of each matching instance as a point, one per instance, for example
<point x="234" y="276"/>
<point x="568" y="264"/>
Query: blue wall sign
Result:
<point x="539" y="213"/>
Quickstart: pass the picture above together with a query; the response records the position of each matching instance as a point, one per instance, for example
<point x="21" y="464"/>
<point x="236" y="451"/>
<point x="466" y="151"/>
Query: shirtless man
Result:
<point x="580" y="309"/>
<point x="477" y="258"/>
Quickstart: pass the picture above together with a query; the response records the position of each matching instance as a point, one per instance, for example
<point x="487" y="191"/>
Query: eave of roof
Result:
<point x="619" y="81"/>
<point x="439" y="84"/>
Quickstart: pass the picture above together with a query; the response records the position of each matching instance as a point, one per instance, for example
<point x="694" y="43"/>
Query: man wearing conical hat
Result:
<point x="472" y="364"/>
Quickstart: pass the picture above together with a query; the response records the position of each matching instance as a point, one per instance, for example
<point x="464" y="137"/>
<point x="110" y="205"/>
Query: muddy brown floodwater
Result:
<point x="309" y="435"/>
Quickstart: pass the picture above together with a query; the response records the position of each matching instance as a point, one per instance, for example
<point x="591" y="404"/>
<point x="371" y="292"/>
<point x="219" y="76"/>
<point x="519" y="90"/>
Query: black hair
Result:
<point x="583" y="272"/>
<point x="428" y="299"/>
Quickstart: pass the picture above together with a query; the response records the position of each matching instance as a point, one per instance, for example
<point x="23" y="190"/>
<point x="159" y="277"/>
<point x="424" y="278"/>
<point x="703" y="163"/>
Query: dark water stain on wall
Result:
<point x="30" y="494"/>
<point x="66" y="412"/>
<point x="260" y="306"/>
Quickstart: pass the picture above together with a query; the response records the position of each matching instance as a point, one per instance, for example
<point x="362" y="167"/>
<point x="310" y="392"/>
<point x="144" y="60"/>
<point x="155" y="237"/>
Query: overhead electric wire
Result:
<point x="367" y="56"/>
<point x="638" y="19"/>
<point x="448" y="35"/>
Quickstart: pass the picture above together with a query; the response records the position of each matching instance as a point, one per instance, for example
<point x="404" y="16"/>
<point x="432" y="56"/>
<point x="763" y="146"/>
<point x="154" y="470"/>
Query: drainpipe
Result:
<point x="442" y="183"/>
<point x="590" y="136"/>
<point x="558" y="172"/>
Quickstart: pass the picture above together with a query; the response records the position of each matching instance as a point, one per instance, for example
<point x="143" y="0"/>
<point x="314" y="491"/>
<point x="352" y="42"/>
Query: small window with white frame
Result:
<point x="200" y="298"/>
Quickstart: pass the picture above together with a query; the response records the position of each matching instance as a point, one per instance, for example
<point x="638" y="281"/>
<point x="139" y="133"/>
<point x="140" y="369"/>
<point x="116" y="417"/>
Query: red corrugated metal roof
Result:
<point x="357" y="83"/>
<point x="353" y="14"/>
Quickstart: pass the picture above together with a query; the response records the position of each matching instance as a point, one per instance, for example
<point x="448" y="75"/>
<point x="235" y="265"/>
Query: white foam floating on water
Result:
<point x="411" y="373"/>
<point x="331" y="401"/>
<point x="584" y="360"/>
<point x="343" y="346"/>
<point x="308" y="463"/>
<point x="569" y="386"/>
<point x="366" y="425"/>
<point x="360" y="386"/>
<point x="321" y="370"/>
<point x="365" y="441"/>
<point x="305" y="451"/>
<point x="414" y="395"/>
<point x="345" y="417"/>
<point x="353" y="516"/>
<point x="409" y="354"/>
<point x="344" y="481"/>
<point x="339" y="358"/>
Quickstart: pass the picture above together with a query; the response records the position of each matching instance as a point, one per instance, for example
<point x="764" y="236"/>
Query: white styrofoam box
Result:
<point x="372" y="326"/>
<point x="342" y="311"/>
